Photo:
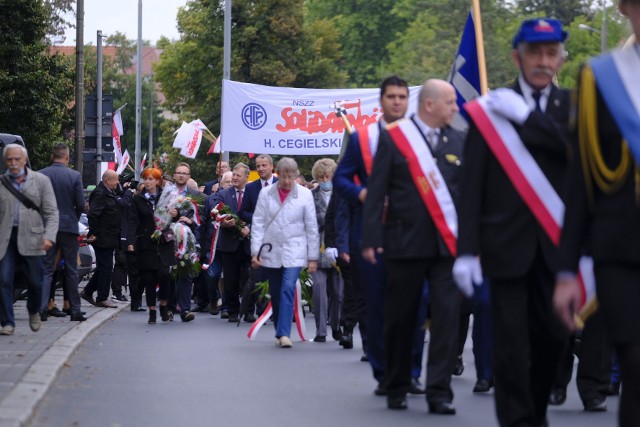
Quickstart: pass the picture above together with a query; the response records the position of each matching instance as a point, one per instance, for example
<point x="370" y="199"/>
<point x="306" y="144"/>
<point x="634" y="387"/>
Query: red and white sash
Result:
<point x="368" y="138"/>
<point x="428" y="180"/>
<point x="521" y="168"/>
<point x="298" y="314"/>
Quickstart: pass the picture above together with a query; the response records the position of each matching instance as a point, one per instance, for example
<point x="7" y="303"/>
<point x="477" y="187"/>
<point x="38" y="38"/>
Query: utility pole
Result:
<point x="226" y="64"/>
<point x="79" y="148"/>
<point x="99" y="110"/>
<point x="603" y="29"/>
<point x="150" y="152"/>
<point x="138" y="150"/>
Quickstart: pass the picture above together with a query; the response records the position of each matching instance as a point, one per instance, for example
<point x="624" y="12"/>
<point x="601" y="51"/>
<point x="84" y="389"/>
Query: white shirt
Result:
<point x="527" y="93"/>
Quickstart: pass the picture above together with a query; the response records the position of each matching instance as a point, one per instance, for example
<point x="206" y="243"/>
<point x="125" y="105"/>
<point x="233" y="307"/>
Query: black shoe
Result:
<point x="416" y="387"/>
<point x="249" y="318"/>
<point x="442" y="408"/>
<point x="187" y="316"/>
<point x="397" y="402"/>
<point x="56" y="312"/>
<point x="120" y="298"/>
<point x="364" y="357"/>
<point x="346" y="341"/>
<point x="78" y="318"/>
<point x="320" y="338"/>
<point x="482" y="386"/>
<point x="225" y="315"/>
<point x="88" y="298"/>
<point x="336" y="334"/>
<point x="613" y="389"/>
<point x="557" y="396"/>
<point x="233" y="318"/>
<point x="165" y="314"/>
<point x="595" y="405"/>
<point x="380" y="390"/>
<point x="214" y="310"/>
<point x="152" y="317"/>
<point x="138" y="309"/>
<point x="458" y="369"/>
<point x="43" y="316"/>
<point x="68" y="311"/>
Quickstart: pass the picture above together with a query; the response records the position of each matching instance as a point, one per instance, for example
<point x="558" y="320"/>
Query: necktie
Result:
<point x="240" y="199"/>
<point x="536" y="97"/>
<point x="432" y="137"/>
<point x="266" y="183"/>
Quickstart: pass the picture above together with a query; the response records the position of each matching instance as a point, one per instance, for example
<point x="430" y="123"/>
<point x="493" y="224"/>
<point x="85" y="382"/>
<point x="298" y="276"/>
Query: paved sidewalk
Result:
<point x="30" y="361"/>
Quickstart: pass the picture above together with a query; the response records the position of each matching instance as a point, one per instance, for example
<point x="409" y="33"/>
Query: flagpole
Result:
<point x="482" y="67"/>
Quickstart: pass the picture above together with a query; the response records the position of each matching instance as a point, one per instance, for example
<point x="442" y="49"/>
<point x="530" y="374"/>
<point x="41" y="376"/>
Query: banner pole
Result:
<point x="480" y="47"/>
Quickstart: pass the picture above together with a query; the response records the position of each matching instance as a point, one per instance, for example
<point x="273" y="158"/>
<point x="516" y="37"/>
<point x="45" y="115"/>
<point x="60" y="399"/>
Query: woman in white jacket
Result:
<point x="284" y="239"/>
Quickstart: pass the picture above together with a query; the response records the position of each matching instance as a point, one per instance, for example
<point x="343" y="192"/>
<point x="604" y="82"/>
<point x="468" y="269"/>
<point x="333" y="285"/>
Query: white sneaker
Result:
<point x="285" y="342"/>
<point x="7" y="330"/>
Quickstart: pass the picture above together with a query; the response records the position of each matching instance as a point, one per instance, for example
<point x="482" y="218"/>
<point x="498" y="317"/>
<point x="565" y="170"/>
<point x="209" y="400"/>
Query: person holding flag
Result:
<point x="417" y="166"/>
<point x="603" y="206"/>
<point x="510" y="219"/>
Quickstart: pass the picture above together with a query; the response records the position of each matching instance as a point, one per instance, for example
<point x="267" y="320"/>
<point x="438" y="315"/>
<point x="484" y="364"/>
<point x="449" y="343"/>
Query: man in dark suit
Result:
<point x="212" y="186"/>
<point x="67" y="186"/>
<point x="417" y="159"/>
<point x="104" y="236"/>
<point x="499" y="225"/>
<point x="233" y="243"/>
<point x="264" y="167"/>
<point x="603" y="215"/>
<point x="368" y="281"/>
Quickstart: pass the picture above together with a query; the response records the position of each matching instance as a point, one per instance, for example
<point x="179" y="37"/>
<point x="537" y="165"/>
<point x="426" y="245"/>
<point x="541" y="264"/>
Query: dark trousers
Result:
<point x="153" y="278"/>
<point x="405" y="281"/>
<point x="594" y="355"/>
<point x="67" y="244"/>
<point x="136" y="288"/>
<point x="119" y="277"/>
<point x="101" y="279"/>
<point x="353" y="304"/>
<point x="235" y="267"/>
<point x="528" y="341"/>
<point x="480" y="307"/>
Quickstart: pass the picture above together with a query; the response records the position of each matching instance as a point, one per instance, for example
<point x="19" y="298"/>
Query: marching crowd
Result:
<point x="415" y="228"/>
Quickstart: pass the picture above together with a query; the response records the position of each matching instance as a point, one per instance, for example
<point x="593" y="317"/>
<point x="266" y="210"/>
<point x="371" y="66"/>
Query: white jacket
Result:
<point x="290" y="227"/>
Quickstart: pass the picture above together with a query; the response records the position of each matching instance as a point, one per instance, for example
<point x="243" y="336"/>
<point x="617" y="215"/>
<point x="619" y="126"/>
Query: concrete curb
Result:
<point x="17" y="408"/>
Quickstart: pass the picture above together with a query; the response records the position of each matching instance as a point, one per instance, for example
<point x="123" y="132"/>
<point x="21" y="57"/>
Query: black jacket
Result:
<point x="104" y="218"/>
<point x="409" y="231"/>
<point x="493" y="219"/>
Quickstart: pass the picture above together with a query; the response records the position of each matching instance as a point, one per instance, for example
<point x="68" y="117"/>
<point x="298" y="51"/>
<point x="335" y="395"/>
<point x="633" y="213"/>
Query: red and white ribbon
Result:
<point x="521" y="168"/>
<point x="297" y="312"/>
<point x="428" y="180"/>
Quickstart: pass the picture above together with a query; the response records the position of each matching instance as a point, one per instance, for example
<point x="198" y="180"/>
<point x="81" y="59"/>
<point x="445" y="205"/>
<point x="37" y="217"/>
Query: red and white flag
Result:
<point x="143" y="163"/>
<point x="117" y="131"/>
<point x="215" y="147"/>
<point x="123" y="162"/>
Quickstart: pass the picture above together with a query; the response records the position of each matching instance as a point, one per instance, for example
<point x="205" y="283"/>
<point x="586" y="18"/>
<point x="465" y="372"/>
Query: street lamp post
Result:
<point x="602" y="30"/>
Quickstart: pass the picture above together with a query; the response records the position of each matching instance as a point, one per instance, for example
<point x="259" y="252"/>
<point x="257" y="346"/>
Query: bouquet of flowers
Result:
<point x="221" y="211"/>
<point x="170" y="199"/>
<point x="186" y="250"/>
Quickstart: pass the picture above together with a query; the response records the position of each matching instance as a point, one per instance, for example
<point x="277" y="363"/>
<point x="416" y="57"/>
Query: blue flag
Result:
<point x="465" y="73"/>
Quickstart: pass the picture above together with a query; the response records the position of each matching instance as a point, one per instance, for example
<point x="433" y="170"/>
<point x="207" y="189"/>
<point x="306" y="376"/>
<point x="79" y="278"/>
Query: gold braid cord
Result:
<point x="608" y="180"/>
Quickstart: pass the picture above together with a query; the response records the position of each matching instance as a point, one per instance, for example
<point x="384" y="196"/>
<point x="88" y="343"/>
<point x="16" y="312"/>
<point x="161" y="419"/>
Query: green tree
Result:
<point x="35" y="87"/>
<point x="565" y="11"/>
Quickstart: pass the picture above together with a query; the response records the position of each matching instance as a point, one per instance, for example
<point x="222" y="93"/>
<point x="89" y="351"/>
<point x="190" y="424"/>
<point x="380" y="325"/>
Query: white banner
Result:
<point x="117" y="130"/>
<point x="123" y="162"/>
<point x="291" y="121"/>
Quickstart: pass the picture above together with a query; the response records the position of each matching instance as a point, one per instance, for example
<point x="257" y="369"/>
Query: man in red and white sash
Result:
<point x="603" y="215"/>
<point x="510" y="219"/>
<point x="417" y="165"/>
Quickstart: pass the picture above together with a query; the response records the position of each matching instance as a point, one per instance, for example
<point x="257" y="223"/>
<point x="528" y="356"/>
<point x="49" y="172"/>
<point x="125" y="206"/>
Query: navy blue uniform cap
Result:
<point x="540" y="30"/>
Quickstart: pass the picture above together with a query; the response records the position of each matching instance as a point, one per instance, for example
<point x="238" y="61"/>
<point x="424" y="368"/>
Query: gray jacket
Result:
<point x="67" y="186"/>
<point x="33" y="227"/>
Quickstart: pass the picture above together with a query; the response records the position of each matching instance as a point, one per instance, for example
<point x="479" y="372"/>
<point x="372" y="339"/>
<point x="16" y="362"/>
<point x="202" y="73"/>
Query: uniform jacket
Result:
<point x="608" y="229"/>
<point x="290" y="227"/>
<point x="67" y="186"/>
<point x="151" y="254"/>
<point x="230" y="238"/>
<point x="104" y="218"/>
<point x="493" y="219"/>
<point x="409" y="231"/>
<point x="33" y="227"/>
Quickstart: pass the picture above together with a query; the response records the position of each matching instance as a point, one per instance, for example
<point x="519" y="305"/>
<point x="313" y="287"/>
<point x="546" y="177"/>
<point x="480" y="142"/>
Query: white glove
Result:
<point x="331" y="254"/>
<point x="466" y="273"/>
<point x="508" y="104"/>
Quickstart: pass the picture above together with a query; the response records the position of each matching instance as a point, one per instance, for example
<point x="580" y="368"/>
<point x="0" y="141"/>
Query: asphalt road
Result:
<point x="207" y="373"/>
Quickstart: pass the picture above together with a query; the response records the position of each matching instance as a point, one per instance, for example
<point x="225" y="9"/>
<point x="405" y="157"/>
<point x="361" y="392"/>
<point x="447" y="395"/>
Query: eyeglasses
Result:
<point x="13" y="159"/>
<point x="181" y="173"/>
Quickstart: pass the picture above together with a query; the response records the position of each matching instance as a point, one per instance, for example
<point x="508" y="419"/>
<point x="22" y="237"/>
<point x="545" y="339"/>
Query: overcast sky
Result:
<point x="158" y="19"/>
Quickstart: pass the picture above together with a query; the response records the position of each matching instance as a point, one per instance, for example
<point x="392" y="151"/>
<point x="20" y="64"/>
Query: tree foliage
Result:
<point x="36" y="88"/>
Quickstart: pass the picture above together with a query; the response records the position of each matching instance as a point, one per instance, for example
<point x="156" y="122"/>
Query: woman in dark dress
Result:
<point x="155" y="257"/>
